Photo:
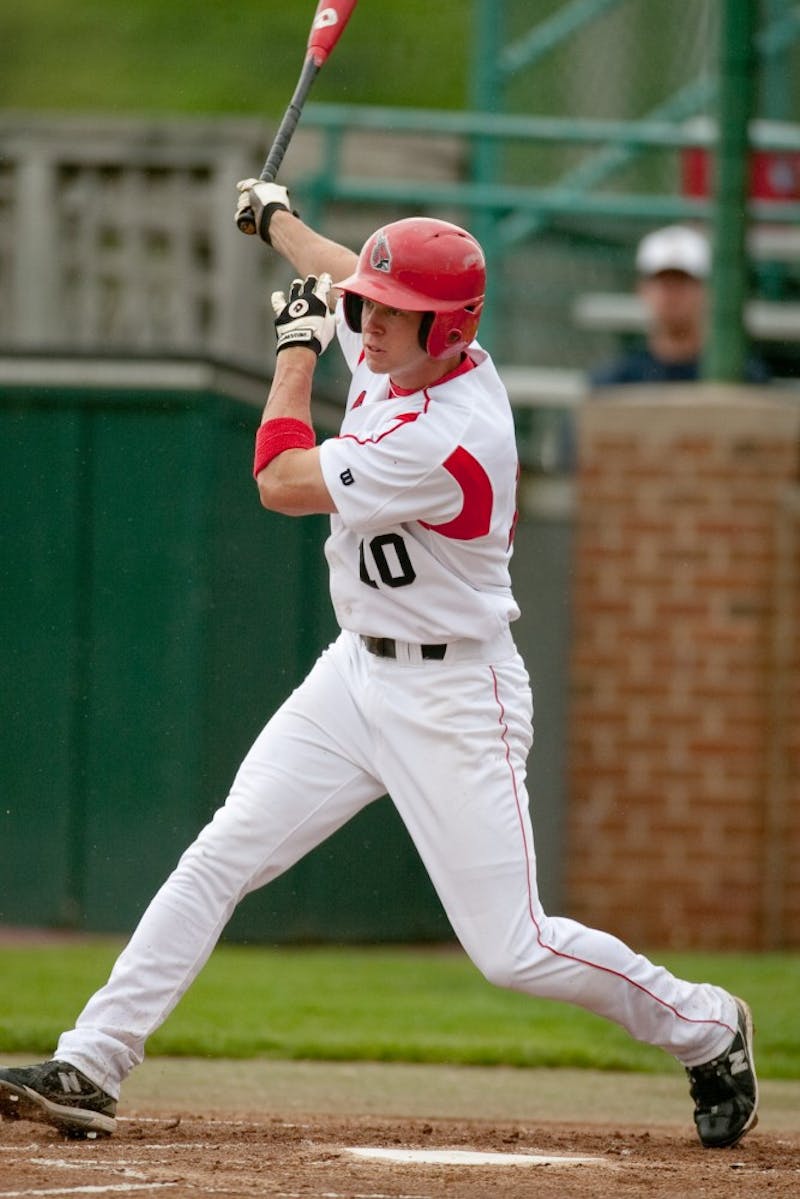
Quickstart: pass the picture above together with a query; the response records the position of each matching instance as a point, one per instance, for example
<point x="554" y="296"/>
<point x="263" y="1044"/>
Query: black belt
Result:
<point x="386" y="647"/>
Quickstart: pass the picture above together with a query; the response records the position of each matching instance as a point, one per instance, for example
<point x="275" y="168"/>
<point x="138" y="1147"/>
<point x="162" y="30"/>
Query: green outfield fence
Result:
<point x="152" y="617"/>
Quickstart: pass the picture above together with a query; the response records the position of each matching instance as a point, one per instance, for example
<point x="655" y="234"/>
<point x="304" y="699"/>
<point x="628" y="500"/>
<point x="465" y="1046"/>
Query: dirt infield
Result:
<point x="234" y="1130"/>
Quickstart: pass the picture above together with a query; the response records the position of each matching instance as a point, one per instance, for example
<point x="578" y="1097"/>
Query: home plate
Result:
<point x="468" y="1157"/>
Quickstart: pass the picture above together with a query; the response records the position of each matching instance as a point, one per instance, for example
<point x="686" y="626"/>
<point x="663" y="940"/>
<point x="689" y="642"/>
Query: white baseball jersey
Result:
<point x="425" y="487"/>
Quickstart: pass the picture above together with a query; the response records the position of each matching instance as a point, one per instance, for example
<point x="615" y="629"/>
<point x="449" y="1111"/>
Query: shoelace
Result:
<point x="705" y="1088"/>
<point x="712" y="1085"/>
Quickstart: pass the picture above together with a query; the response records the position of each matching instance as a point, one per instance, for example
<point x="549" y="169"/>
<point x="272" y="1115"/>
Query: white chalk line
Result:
<point x="170" y="1121"/>
<point x="89" y="1190"/>
<point x="151" y="1186"/>
<point x="163" y="1147"/>
<point x="112" y="1167"/>
<point x="173" y="1120"/>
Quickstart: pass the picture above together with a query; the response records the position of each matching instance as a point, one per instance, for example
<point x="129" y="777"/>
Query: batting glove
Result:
<point x="305" y="319"/>
<point x="263" y="199"/>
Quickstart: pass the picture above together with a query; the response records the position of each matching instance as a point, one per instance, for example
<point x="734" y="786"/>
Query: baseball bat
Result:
<point x="327" y="27"/>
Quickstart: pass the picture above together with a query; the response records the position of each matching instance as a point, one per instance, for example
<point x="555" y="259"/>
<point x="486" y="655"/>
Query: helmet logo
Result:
<point x="381" y="257"/>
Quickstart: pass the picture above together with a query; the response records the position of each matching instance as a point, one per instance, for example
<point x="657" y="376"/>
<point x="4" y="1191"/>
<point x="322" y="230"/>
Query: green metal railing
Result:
<point x="618" y="139"/>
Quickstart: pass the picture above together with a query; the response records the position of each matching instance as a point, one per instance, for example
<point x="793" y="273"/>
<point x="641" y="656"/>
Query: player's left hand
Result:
<point x="305" y="319"/>
<point x="263" y="199"/>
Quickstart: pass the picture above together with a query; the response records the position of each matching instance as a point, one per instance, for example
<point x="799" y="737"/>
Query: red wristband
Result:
<point x="275" y="436"/>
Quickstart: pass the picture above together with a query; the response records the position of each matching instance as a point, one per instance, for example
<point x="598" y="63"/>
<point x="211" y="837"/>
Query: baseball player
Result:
<point x="423" y="694"/>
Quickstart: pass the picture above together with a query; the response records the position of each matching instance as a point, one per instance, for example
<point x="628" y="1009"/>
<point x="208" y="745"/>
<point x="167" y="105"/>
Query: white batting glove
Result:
<point x="305" y="318"/>
<point x="263" y="199"/>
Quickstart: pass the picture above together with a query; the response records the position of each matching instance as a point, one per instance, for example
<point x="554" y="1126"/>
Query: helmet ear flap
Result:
<point x="352" y="305"/>
<point x="425" y="326"/>
<point x="450" y="333"/>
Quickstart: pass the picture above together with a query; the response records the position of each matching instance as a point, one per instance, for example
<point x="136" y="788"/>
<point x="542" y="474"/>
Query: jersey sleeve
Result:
<point x="392" y="473"/>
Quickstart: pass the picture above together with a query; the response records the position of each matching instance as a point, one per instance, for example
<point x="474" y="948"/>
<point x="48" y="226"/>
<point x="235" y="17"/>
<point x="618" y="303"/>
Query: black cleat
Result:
<point x="725" y="1090"/>
<point x="59" y="1094"/>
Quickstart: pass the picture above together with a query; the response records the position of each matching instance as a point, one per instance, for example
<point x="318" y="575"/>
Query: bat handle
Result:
<point x="246" y="220"/>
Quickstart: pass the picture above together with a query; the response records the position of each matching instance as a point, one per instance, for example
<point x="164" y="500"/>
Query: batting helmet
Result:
<point x="422" y="265"/>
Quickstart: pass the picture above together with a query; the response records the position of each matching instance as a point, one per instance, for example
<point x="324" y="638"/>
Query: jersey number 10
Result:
<point x="390" y="557"/>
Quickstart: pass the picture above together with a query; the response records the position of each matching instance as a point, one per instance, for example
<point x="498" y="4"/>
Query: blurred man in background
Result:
<point x="673" y="266"/>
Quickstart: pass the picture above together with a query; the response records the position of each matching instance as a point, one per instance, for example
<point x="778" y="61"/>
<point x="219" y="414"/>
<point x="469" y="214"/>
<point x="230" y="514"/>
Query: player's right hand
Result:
<point x="264" y="199"/>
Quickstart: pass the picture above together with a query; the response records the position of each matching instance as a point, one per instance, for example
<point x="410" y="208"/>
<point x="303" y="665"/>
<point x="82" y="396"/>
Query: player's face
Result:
<point x="676" y="301"/>
<point x="391" y="345"/>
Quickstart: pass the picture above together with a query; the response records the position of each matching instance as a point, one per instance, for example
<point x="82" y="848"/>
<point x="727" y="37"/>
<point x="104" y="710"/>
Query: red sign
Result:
<point x="774" y="174"/>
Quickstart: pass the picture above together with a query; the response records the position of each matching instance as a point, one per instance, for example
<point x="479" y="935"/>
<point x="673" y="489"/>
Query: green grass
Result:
<point x="145" y="56"/>
<point x="381" y="1004"/>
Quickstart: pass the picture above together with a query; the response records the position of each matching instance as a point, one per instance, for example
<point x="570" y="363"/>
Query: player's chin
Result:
<point x="376" y="361"/>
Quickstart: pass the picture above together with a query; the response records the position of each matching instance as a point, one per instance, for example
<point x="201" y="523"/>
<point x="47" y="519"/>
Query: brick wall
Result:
<point x="783" y="891"/>
<point x="684" y="817"/>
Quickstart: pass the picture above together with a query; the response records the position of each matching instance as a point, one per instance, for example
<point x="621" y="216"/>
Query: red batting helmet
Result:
<point x="422" y="265"/>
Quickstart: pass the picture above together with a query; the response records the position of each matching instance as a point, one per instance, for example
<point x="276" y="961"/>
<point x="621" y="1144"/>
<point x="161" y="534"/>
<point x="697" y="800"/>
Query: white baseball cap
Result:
<point x="676" y="248"/>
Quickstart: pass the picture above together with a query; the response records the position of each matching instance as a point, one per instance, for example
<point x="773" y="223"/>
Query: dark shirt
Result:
<point x="641" y="366"/>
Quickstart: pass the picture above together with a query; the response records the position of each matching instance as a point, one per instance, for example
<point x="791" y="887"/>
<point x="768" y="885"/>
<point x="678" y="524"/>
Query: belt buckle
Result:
<point x="381" y="647"/>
